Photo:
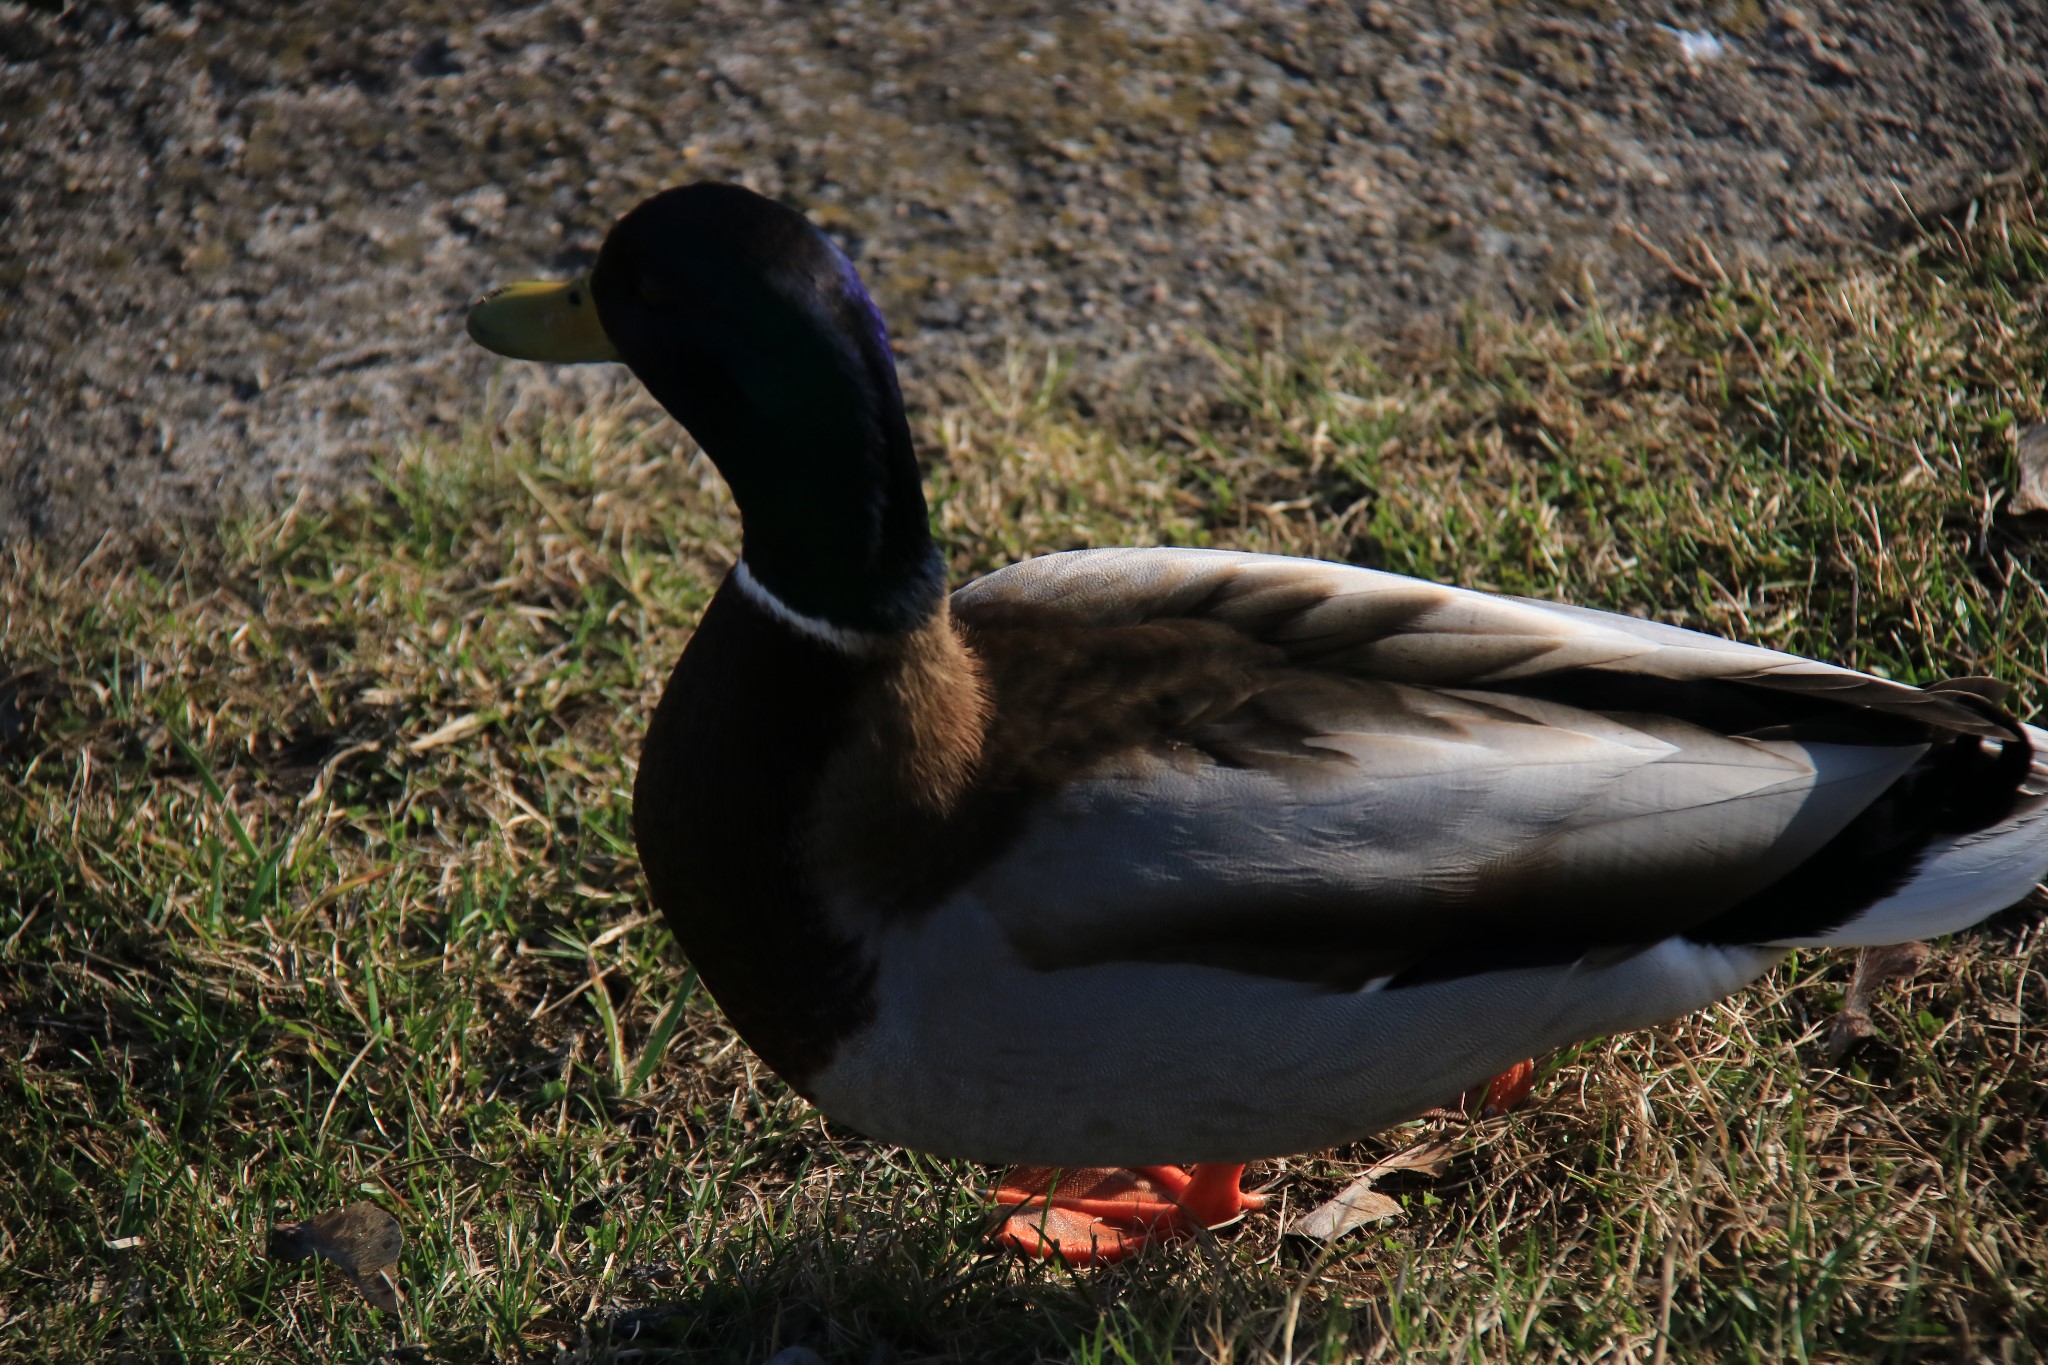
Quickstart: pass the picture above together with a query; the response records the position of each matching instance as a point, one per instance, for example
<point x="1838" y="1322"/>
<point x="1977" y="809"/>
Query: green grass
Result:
<point x="316" y="884"/>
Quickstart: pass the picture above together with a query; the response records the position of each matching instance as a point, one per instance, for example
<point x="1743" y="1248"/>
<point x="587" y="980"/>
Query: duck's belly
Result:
<point x="972" y="1054"/>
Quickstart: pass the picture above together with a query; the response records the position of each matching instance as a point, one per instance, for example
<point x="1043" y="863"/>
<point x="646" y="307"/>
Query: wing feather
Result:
<point x="1409" y="770"/>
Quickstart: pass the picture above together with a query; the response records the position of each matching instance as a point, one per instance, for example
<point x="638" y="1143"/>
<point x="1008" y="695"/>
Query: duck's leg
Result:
<point x="1504" y="1092"/>
<point x="1095" y="1215"/>
<point x="1490" y="1098"/>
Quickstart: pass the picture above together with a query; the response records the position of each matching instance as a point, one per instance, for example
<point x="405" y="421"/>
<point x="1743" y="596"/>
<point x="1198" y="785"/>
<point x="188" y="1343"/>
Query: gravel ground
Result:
<point x="239" y="238"/>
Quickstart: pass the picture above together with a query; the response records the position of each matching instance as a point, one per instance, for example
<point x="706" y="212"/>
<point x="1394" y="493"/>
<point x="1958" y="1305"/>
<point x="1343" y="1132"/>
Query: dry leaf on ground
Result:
<point x="1359" y="1203"/>
<point x="361" y="1238"/>
<point x="2032" y="493"/>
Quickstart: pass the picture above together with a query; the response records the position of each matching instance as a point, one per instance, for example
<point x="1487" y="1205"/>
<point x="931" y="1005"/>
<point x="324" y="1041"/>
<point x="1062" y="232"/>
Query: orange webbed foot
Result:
<point x="1096" y="1215"/>
<point x="1509" y="1090"/>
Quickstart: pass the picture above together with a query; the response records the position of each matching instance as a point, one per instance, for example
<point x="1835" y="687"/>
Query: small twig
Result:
<point x="448" y="1154"/>
<point x="320" y="1133"/>
<point x="1834" y="410"/>
<point x="1699" y="245"/>
<point x="1667" y="1281"/>
<point x="618" y="931"/>
<point x="19" y="930"/>
<point x="336" y="892"/>
<point x="321" y="778"/>
<point x="549" y="1007"/>
<point x="1664" y="258"/>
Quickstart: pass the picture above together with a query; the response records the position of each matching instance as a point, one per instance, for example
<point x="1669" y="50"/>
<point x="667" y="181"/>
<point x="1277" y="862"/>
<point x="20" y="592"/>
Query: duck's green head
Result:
<point x="751" y="327"/>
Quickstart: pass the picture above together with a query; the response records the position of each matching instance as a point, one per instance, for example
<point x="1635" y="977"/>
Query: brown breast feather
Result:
<point x="956" y="735"/>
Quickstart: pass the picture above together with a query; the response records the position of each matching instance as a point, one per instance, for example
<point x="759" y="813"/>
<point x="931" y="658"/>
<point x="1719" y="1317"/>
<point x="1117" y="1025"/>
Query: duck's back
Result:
<point x="1572" y="777"/>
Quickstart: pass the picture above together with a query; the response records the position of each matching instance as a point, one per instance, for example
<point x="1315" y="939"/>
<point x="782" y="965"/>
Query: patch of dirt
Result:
<point x="240" y="237"/>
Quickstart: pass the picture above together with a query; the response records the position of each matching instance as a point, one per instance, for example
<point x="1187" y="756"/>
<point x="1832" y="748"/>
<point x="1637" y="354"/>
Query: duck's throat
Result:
<point x="843" y="556"/>
<point x="851" y="609"/>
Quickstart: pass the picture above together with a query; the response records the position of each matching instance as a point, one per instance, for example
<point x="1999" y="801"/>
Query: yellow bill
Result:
<point x="535" y="320"/>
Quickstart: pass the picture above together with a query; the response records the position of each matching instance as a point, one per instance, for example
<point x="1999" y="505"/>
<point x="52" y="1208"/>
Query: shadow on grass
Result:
<point x="886" y="1302"/>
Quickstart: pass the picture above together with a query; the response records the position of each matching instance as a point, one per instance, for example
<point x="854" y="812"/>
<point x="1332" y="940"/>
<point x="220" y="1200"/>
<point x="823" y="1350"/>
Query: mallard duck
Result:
<point x="1114" y="858"/>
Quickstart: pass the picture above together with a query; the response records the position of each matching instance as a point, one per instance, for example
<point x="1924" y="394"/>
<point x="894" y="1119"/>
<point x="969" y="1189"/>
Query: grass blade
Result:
<point x="664" y="1030"/>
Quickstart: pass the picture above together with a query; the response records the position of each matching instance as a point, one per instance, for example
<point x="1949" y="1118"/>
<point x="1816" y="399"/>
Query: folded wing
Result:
<point x="1354" y="778"/>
